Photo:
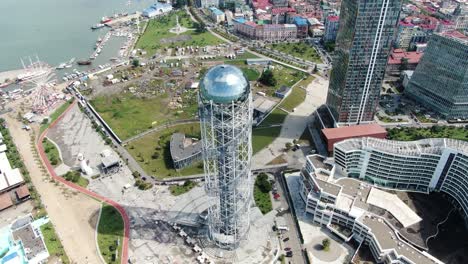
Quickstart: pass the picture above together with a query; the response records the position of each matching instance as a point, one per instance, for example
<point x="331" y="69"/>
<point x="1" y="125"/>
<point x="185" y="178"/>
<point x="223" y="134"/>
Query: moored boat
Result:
<point x="84" y="62"/>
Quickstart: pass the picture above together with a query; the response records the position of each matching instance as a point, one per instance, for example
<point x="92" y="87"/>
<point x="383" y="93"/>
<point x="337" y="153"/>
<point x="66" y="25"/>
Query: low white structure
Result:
<point x="9" y="178"/>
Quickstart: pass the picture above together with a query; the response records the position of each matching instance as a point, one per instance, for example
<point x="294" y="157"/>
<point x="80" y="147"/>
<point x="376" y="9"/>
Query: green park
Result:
<point x="300" y="50"/>
<point x="157" y="35"/>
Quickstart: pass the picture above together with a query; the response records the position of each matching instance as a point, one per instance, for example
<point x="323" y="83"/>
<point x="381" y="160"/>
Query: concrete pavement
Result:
<point x="295" y="123"/>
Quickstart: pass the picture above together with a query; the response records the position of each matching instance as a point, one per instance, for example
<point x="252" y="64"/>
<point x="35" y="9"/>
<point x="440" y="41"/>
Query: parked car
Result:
<point x="286" y="239"/>
<point x="287" y="249"/>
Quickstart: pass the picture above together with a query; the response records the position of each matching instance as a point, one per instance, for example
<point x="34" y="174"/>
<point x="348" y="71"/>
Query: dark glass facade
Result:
<point x="440" y="81"/>
<point x="367" y="28"/>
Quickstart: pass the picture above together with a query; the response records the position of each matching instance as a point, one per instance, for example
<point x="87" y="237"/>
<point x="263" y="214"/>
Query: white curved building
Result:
<point x="423" y="166"/>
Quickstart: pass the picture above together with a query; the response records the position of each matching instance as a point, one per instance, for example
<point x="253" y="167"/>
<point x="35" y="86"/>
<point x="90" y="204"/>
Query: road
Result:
<point x="294" y="241"/>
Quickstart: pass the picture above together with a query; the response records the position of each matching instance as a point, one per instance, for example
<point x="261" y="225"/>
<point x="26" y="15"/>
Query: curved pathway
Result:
<point x="123" y="213"/>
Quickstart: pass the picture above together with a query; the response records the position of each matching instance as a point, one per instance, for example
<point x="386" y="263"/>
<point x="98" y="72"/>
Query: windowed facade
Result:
<point x="363" y="44"/>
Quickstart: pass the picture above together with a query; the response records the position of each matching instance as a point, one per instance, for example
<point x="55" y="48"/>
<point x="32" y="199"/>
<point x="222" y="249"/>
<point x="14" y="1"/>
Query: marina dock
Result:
<point x="122" y="19"/>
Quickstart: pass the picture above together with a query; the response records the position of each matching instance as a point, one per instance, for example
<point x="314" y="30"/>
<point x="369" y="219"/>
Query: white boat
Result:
<point x="61" y="66"/>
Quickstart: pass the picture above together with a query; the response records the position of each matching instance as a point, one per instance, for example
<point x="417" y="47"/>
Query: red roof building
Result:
<point x="5" y="201"/>
<point x="396" y="57"/>
<point x="334" y="135"/>
<point x="22" y="192"/>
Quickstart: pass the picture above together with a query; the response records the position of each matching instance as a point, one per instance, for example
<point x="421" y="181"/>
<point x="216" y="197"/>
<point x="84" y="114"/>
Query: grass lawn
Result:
<point x="262" y="199"/>
<point x="75" y="177"/>
<point x="52" y="152"/>
<point x="181" y="189"/>
<point x="56" y="114"/>
<point x="297" y="95"/>
<point x="284" y="76"/>
<point x="276" y="117"/>
<point x="110" y="233"/>
<point x="157" y="31"/>
<point x="52" y="242"/>
<point x="129" y="115"/>
<point x="262" y="137"/>
<point x="300" y="50"/>
<point x="412" y="133"/>
<point x="160" y="165"/>
<point x="251" y="73"/>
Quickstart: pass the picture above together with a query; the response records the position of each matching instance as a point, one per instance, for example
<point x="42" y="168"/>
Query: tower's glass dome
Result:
<point x="224" y="84"/>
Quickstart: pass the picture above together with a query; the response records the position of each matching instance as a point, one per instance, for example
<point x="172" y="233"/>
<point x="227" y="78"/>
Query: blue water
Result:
<point x="7" y="245"/>
<point x="56" y="30"/>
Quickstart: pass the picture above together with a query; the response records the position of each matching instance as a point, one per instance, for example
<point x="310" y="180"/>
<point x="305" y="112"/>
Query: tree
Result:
<point x="200" y="27"/>
<point x="155" y="155"/>
<point x="267" y="78"/>
<point x="326" y="244"/>
<point x="262" y="183"/>
<point x="315" y="70"/>
<point x="404" y="64"/>
<point x="330" y="46"/>
<point x="135" y="63"/>
<point x="288" y="146"/>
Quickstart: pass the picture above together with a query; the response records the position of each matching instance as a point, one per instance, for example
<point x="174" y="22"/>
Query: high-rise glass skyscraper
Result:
<point x="364" y="39"/>
<point x="440" y="81"/>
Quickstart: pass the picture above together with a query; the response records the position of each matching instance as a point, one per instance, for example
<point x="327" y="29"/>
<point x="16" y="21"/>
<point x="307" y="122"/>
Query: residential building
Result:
<point x="267" y="32"/>
<point x="331" y="28"/>
<point x="404" y="34"/>
<point x="216" y="15"/>
<point x="207" y="3"/>
<point x="302" y="26"/>
<point x="363" y="44"/>
<point x="444" y="67"/>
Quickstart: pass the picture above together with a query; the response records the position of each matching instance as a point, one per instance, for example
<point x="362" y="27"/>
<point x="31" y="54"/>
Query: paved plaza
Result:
<point x="152" y="239"/>
<point x="295" y="123"/>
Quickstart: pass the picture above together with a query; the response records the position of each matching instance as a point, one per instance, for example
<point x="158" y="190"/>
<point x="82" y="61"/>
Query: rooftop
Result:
<point x="397" y="55"/>
<point x="32" y="243"/>
<point x="333" y="18"/>
<point x="394" y="205"/>
<point x="5" y="201"/>
<point x="353" y="131"/>
<point x="415" y="148"/>
<point x="457" y="35"/>
<point x="388" y="240"/>
<point x="182" y="148"/>
<point x="263" y="104"/>
<point x="318" y="162"/>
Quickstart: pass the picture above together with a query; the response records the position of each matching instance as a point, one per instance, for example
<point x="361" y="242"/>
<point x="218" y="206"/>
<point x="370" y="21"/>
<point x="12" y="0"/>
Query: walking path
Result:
<point x="70" y="212"/>
<point x="295" y="123"/>
<point x="121" y="210"/>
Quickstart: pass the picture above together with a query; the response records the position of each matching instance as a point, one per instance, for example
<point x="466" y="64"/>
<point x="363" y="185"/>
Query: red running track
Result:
<point x="124" y="259"/>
